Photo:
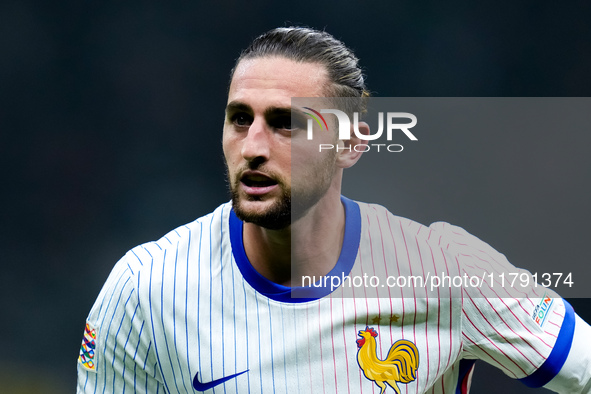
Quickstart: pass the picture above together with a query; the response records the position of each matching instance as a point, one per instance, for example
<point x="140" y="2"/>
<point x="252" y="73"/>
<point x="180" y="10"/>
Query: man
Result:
<point x="218" y="305"/>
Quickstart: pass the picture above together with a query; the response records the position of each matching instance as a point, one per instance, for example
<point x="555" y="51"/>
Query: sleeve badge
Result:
<point x="87" y="349"/>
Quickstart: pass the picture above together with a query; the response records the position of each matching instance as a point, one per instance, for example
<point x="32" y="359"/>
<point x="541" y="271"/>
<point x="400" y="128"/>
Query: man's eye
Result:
<point x="241" y="119"/>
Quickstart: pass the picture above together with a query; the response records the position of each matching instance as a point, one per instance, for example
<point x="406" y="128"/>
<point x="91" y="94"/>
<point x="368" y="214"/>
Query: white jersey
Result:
<point x="189" y="314"/>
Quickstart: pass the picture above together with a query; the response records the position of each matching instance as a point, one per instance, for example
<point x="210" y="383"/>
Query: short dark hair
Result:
<point x="302" y="44"/>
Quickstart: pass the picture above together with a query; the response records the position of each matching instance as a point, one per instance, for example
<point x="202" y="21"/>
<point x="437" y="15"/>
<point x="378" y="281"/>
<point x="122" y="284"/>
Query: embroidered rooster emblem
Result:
<point x="400" y="366"/>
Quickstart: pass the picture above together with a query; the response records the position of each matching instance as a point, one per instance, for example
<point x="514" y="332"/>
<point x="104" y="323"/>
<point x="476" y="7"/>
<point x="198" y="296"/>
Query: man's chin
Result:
<point x="272" y="215"/>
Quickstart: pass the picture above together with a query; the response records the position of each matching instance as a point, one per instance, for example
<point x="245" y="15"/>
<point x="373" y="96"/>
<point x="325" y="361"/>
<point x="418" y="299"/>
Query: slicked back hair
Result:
<point x="302" y="44"/>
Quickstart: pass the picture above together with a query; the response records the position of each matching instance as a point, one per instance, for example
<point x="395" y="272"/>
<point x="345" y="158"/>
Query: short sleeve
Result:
<point x="508" y="320"/>
<point x="116" y="352"/>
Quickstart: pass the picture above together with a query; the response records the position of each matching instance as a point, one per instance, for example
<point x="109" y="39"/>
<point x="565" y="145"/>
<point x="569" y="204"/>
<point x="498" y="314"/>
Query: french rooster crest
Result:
<point x="400" y="366"/>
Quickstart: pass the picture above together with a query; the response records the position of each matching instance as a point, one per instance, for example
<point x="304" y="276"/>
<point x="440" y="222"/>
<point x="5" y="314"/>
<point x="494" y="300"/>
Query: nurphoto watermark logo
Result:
<point x="392" y="128"/>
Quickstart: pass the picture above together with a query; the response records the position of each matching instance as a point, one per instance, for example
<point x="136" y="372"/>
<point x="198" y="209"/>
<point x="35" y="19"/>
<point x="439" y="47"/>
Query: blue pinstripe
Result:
<point x="246" y="323"/>
<point x="210" y="285"/>
<point x="124" y="346"/>
<point x="135" y="356"/>
<point x="174" y="316"/>
<point x="296" y="353"/>
<point x="137" y="257"/>
<point x="271" y="342"/>
<point x="199" y="293"/>
<point x="259" y="331"/>
<point x="234" y="304"/>
<point x="284" y="364"/>
<point x="109" y="327"/>
<point x="152" y="323"/>
<point x="222" y="291"/>
<point x="162" y="322"/>
<point x="145" y="362"/>
<point x="186" y="302"/>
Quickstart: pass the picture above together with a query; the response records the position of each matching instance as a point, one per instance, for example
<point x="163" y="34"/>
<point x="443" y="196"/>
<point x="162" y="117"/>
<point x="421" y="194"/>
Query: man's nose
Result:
<point x="255" y="146"/>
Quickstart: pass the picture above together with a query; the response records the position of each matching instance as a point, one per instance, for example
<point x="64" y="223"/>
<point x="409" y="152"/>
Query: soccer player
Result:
<point x="220" y="305"/>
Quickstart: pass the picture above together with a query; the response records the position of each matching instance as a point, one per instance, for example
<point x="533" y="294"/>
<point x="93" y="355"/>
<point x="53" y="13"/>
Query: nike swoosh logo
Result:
<point x="206" y="386"/>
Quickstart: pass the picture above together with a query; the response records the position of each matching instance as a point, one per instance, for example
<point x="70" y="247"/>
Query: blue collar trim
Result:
<point x="282" y="293"/>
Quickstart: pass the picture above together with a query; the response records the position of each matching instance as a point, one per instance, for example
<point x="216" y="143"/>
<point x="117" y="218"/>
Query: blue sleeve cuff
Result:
<point x="558" y="355"/>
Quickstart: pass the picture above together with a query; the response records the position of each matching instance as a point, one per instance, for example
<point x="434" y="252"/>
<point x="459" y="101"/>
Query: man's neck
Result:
<point x="309" y="247"/>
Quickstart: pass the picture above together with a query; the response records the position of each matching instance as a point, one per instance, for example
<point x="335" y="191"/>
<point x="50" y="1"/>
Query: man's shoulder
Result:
<point x="377" y="215"/>
<point x="210" y="227"/>
<point x="446" y="235"/>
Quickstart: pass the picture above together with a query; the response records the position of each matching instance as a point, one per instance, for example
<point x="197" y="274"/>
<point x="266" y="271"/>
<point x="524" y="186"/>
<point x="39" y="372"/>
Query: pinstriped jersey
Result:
<point x="189" y="314"/>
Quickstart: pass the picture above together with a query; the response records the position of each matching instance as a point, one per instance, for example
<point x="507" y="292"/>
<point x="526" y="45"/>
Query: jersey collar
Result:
<point x="282" y="293"/>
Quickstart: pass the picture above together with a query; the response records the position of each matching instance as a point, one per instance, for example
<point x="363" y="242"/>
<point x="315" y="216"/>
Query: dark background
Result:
<point x="111" y="116"/>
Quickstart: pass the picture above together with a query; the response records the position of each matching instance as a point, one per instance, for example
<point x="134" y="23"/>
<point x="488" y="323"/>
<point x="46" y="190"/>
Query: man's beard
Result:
<point x="283" y="212"/>
<point x="277" y="217"/>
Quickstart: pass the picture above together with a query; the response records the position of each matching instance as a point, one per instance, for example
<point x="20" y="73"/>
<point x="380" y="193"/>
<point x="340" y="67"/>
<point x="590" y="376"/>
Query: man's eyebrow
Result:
<point x="283" y="111"/>
<point x="235" y="106"/>
<point x="275" y="111"/>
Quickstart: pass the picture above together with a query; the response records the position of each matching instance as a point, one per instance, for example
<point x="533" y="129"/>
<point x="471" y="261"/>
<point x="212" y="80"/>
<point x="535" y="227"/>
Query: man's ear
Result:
<point x="350" y="151"/>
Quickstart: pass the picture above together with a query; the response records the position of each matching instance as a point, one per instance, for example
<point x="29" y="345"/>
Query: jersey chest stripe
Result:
<point x="386" y="264"/>
<point x="206" y="297"/>
<point x="199" y="366"/>
<point x="408" y="262"/>
<point x="355" y="314"/>
<point x="158" y="364"/>
<point x="247" y="336"/>
<point x="373" y="267"/>
<point x="256" y="299"/>
<point x="221" y="263"/>
<point x="187" y="300"/>
<point x="332" y="337"/>
<point x="234" y="304"/>
<point x="162" y="308"/>
<point x="284" y="351"/>
<point x="174" y="314"/>
<point x="438" y="322"/>
<point x="345" y="345"/>
<point x="309" y="346"/>
<point x="271" y="343"/>
<point x="450" y="312"/>
<point x="426" y="315"/>
<point x="334" y="360"/>
<point x="321" y="350"/>
<point x="438" y="311"/>
<point x="297" y="357"/>
<point x="385" y="260"/>
<point x="162" y="318"/>
<point x="397" y="262"/>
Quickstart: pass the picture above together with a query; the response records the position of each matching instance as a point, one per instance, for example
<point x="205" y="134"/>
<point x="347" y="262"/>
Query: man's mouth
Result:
<point x="256" y="183"/>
